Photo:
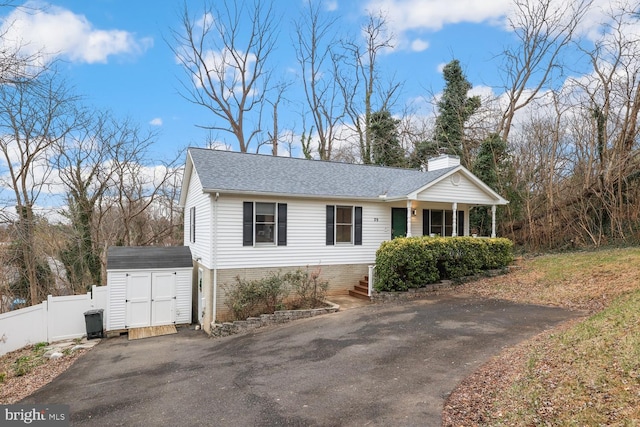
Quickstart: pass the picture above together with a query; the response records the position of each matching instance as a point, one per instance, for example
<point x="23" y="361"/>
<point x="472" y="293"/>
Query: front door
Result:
<point x="398" y="222"/>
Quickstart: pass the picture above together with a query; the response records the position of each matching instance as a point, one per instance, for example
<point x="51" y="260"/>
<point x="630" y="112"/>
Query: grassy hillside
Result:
<point x="578" y="280"/>
<point x="585" y="373"/>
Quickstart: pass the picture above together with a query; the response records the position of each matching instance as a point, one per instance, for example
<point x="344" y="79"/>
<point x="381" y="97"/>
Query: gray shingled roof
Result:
<point x="148" y="257"/>
<point x="228" y="171"/>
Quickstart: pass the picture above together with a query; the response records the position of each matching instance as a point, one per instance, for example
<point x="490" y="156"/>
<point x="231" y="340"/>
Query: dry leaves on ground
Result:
<point x="471" y="403"/>
<point x="581" y="281"/>
<point x="14" y="388"/>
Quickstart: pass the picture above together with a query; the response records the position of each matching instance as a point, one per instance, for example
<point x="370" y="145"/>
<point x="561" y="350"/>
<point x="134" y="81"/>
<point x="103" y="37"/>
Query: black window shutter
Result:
<point x="193" y="224"/>
<point x="247" y="224"/>
<point x="282" y="224"/>
<point x="460" y="223"/>
<point x="357" y="231"/>
<point x="330" y="224"/>
<point x="426" y="222"/>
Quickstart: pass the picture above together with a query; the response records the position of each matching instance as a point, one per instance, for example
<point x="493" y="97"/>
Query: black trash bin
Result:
<point x="93" y="320"/>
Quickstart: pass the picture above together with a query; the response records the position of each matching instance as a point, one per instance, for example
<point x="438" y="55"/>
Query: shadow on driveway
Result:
<point x="376" y="365"/>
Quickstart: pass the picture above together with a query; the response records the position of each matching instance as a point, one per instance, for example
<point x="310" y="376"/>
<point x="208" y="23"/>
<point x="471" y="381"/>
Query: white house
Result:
<point x="249" y="214"/>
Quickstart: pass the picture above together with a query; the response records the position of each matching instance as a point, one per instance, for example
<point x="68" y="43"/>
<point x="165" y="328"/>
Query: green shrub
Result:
<point x="404" y="263"/>
<point x="499" y="253"/>
<point x="417" y="261"/>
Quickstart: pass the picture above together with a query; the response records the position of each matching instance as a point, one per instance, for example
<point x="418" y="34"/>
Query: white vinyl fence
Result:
<point x="57" y="318"/>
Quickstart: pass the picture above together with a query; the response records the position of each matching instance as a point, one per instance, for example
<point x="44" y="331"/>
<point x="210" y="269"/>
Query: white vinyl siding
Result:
<point x="116" y="297"/>
<point x="201" y="246"/>
<point x="183" y="295"/>
<point x="306" y="235"/>
<point x="465" y="191"/>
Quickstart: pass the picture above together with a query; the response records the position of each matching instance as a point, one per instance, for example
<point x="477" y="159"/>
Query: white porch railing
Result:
<point x="370" y="281"/>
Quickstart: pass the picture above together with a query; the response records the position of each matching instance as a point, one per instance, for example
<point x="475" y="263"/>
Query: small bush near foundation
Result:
<point x="414" y="262"/>
<point x="306" y="289"/>
<point x="248" y="298"/>
<point x="301" y="289"/>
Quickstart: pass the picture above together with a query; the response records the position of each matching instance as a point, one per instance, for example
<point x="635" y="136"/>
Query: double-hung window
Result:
<point x="264" y="224"/>
<point x="344" y="225"/>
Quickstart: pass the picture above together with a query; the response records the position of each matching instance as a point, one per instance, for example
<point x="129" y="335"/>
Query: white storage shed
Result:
<point x="148" y="286"/>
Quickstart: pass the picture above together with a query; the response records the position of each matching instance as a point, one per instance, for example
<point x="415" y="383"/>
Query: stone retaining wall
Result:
<point x="281" y="316"/>
<point x="410" y="294"/>
<point x="417" y="293"/>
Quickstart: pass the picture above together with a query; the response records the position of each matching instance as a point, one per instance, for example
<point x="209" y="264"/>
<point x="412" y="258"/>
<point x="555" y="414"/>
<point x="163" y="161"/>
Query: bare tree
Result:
<point x="136" y="194"/>
<point x="544" y="29"/>
<point x="362" y="82"/>
<point x="319" y="65"/>
<point x="613" y="103"/>
<point x="35" y="114"/>
<point x="226" y="63"/>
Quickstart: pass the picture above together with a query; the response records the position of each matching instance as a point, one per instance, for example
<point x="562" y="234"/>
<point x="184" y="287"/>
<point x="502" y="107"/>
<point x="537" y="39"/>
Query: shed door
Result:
<point x="163" y="297"/>
<point x="138" y="299"/>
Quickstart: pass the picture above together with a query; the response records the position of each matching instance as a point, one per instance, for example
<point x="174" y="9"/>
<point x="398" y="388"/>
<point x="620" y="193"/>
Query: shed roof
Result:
<point x="228" y="171"/>
<point x="148" y="257"/>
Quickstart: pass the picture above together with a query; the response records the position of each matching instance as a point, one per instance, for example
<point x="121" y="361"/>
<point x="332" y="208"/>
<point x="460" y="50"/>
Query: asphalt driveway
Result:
<point x="375" y="365"/>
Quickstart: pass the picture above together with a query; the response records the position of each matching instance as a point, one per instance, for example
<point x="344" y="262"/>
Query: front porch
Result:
<point x="434" y="219"/>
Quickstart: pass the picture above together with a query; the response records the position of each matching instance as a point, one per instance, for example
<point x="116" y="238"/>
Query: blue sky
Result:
<point x="130" y="69"/>
<point x="116" y="53"/>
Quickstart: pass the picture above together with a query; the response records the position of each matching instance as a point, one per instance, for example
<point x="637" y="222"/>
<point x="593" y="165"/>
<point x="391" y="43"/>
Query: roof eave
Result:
<point x="221" y="191"/>
<point x="186" y="178"/>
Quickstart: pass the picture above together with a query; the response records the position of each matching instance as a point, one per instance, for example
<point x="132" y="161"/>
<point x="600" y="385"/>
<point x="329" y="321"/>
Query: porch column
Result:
<point x="408" y="218"/>
<point x="493" y="220"/>
<point x="454" y="224"/>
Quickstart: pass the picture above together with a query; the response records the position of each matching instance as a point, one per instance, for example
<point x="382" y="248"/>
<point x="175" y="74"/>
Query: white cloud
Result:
<point x="331" y="5"/>
<point x="55" y="31"/>
<point x="418" y="45"/>
<point x="156" y="122"/>
<point x="405" y="15"/>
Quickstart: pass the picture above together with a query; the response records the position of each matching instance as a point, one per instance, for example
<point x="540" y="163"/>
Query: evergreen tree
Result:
<point x="455" y="108"/>
<point x="386" y="147"/>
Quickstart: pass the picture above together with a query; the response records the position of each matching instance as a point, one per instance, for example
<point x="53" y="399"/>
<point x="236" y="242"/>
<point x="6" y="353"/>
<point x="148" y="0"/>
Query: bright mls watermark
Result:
<point x="34" y="415"/>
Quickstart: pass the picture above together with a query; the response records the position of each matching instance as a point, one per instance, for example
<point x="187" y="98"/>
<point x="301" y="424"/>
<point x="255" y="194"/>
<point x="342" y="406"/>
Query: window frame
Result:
<point x="250" y="224"/>
<point x="332" y="225"/>
<point x="340" y="225"/>
<point x="274" y="224"/>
